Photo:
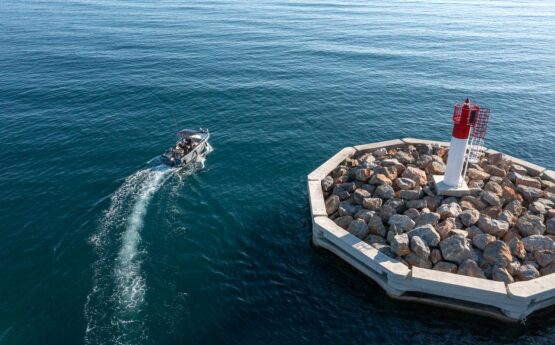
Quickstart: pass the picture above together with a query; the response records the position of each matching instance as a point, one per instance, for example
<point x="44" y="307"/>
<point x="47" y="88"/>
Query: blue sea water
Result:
<point x="98" y="245"/>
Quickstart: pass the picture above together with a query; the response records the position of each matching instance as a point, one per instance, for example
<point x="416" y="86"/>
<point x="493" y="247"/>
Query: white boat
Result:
<point x="191" y="144"/>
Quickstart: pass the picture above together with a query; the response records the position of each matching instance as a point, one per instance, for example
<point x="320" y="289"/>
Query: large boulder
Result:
<point x="475" y="174"/>
<point x="497" y="254"/>
<point x="529" y="225"/>
<point x="491" y="198"/>
<point x="427" y="233"/>
<point x="530" y="194"/>
<point x="456" y="249"/>
<point x="544" y="257"/>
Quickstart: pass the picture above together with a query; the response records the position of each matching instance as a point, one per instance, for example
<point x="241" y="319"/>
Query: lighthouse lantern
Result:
<point x="469" y="122"/>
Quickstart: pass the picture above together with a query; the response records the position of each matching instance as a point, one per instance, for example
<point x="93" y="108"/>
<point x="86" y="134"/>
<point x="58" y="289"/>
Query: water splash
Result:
<point x="114" y="307"/>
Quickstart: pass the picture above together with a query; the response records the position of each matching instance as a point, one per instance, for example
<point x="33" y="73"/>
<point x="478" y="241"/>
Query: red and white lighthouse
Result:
<point x="469" y="122"/>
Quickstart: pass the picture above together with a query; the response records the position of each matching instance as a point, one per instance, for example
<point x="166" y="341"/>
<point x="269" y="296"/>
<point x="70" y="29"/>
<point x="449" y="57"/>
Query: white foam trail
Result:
<point x="113" y="307"/>
<point x="123" y="296"/>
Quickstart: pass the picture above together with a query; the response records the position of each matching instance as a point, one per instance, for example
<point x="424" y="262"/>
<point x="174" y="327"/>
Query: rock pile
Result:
<point x="504" y="230"/>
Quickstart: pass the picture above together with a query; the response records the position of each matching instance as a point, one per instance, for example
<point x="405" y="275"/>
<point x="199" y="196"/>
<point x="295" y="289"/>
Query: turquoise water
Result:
<point x="98" y="245"/>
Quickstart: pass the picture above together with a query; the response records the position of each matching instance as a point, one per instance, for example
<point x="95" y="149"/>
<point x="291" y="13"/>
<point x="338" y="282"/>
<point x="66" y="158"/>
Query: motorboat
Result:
<point x="190" y="144"/>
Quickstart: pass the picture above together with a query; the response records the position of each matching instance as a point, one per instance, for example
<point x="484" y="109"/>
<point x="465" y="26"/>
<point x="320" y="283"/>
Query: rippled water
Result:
<point x="98" y="246"/>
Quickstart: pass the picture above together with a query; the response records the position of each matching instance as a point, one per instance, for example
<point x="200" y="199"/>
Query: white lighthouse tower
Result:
<point x="467" y="118"/>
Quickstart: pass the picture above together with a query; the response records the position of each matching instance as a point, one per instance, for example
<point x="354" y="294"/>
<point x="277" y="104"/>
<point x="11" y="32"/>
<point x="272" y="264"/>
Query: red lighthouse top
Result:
<point x="464" y="117"/>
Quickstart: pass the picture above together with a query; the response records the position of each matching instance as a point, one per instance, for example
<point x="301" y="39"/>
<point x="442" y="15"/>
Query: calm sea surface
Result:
<point x="98" y="245"/>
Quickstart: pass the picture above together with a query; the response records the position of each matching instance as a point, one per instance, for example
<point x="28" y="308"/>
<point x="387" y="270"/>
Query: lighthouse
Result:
<point x="469" y="122"/>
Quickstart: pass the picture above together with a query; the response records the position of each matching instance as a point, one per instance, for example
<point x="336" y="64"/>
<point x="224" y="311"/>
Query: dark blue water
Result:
<point x="99" y="246"/>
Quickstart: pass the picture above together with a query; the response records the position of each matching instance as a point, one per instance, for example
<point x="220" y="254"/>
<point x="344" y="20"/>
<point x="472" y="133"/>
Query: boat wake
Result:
<point x="114" y="308"/>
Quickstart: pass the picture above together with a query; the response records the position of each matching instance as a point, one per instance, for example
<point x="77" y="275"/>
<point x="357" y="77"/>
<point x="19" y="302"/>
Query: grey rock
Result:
<point x="529" y="194"/>
<point x="419" y="247"/>
<point x="400" y="223"/>
<point x="414" y="260"/>
<point x="494" y="187"/>
<point x="384" y="192"/>
<point x="427" y="233"/>
<point x="497" y="254"/>
<point x="380" y="152"/>
<point x="493" y="227"/>
<point x="544" y="257"/>
<point x="363" y="174"/>
<point x="449" y="210"/>
<point x="385" y="212"/>
<point x="344" y="221"/>
<point x="412" y="194"/>
<point x="527" y="272"/>
<point x="397" y="204"/>
<point x="358" y="228"/>
<point x="515" y="207"/>
<point x="436" y="168"/>
<point x="490" y="198"/>
<point x="500" y="274"/>
<point x="519" y="169"/>
<point x="373" y="239"/>
<point x="417" y="204"/>
<point x="529" y="225"/>
<point x="456" y="249"/>
<point x="404" y="157"/>
<point x="412" y="213"/>
<point x="550" y="269"/>
<point x="444" y="228"/>
<point x="538" y="242"/>
<point x="427" y="218"/>
<point x="550" y="226"/>
<point x="384" y="249"/>
<point x="469" y="217"/>
<point x="400" y="244"/>
<point x="347" y="209"/>
<point x="405" y="183"/>
<point x="365" y="215"/>
<point x="471" y="269"/>
<point x="332" y="204"/>
<point x="376" y="226"/>
<point x="482" y="240"/>
<point x="537" y="207"/>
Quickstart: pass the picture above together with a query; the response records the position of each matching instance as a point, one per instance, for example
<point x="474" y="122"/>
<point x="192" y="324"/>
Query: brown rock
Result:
<point x="444" y="266"/>
<point x="332" y="204"/>
<point x="444" y="228"/>
<point x="436" y="168"/>
<point x="528" y="181"/>
<point x="379" y="179"/>
<point x="497" y="254"/>
<point x="416" y="174"/>
<point x="475" y="174"/>
<point x="517" y="248"/>
<point x="471" y="269"/>
<point x="495" y="170"/>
